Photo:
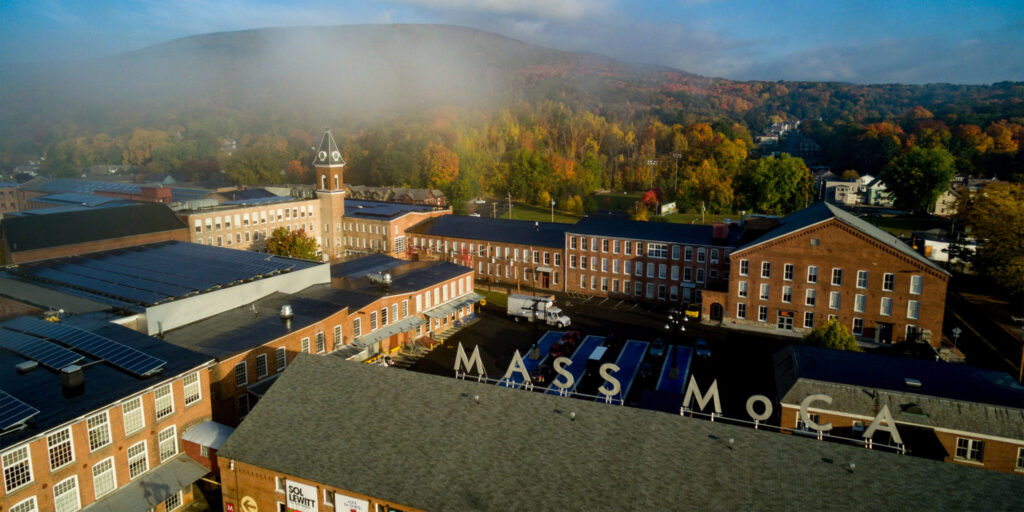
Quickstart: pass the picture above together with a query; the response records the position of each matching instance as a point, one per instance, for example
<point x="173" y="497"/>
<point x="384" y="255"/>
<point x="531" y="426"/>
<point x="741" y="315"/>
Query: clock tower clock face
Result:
<point x="323" y="155"/>
<point x="336" y="155"/>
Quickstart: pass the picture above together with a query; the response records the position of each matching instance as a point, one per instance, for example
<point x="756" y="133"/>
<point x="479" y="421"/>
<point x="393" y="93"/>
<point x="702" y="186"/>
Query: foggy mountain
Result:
<point x="354" y="74"/>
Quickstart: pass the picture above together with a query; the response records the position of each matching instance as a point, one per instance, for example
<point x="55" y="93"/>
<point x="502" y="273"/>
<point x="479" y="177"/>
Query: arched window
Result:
<point x="323" y="181"/>
<point x="337" y="182"/>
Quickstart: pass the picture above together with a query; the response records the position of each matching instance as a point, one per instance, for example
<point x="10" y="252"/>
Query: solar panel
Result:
<point x="120" y="355"/>
<point x="47" y="354"/>
<point x="14" y="411"/>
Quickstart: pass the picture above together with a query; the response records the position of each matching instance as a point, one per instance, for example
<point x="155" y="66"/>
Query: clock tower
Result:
<point x="331" y="191"/>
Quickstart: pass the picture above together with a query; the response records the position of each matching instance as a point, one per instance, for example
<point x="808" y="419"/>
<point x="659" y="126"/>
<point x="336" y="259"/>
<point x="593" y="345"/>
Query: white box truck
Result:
<point x="537" y="308"/>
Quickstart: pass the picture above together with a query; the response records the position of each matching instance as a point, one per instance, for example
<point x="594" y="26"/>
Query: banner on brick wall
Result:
<point x="344" y="503"/>
<point x="301" y="497"/>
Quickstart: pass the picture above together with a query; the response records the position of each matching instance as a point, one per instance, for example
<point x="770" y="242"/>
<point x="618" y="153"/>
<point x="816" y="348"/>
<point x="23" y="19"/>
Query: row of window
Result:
<point x="785" y="318"/>
<point x="18" y="471"/>
<point x="423" y="301"/>
<point x="663" y="292"/>
<point x="788" y="270"/>
<point x="482" y="251"/>
<point x="628" y="267"/>
<point x="255" y="236"/>
<point x="834" y="300"/>
<point x="371" y="228"/>
<point x="17" y="468"/>
<point x="512" y="272"/>
<point x="217" y="223"/>
<point x="654" y="249"/>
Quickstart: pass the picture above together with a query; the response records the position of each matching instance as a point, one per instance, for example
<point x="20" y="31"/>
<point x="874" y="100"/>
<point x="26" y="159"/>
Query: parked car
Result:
<point x="702" y="349"/>
<point x="657" y="348"/>
<point x="571" y="339"/>
<point x="474" y="214"/>
<point x="559" y="349"/>
<point x="480" y="201"/>
<point x="541" y="374"/>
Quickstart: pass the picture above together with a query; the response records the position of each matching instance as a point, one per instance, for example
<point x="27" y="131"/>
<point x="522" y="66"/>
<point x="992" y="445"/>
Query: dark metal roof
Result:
<point x="29" y="232"/>
<point x="90" y="187"/>
<point x="378" y="210"/>
<point x="240" y="329"/>
<point x="521" y="232"/>
<point x="104" y="383"/>
<point x="611" y="226"/>
<point x="822" y="211"/>
<point x="359" y="267"/>
<point x="327" y="151"/>
<point x="606" y="458"/>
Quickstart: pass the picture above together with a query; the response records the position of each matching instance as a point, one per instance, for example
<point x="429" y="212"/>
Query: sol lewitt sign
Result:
<point x="344" y="503"/>
<point x="301" y="497"/>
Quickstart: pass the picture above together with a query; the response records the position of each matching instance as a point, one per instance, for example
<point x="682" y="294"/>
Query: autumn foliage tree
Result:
<point x="440" y="165"/>
<point x="293" y="244"/>
<point x="996" y="218"/>
<point x="832" y="334"/>
<point x="776" y="185"/>
<point x="918" y="177"/>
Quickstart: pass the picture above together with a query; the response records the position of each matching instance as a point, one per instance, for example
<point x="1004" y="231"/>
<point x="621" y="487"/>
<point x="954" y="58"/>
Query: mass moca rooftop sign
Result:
<point x="565" y="381"/>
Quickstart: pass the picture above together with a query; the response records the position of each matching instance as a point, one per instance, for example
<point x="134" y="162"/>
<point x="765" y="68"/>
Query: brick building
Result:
<point x="354" y="315"/>
<point x="511" y="252"/>
<point x="26" y="238"/>
<point x="297" y="450"/>
<point x="81" y="430"/>
<point x="9" y="201"/>
<point x="372" y="227"/>
<point x="947" y="412"/>
<point x="822" y="262"/>
<point x="247" y="223"/>
<point x="649" y="261"/>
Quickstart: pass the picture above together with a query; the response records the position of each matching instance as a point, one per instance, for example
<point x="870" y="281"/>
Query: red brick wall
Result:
<point x="44" y="480"/>
<point x="839" y="246"/>
<point x="180" y="235"/>
<point x="595" y="275"/>
<point x="482" y="266"/>
<point x="260" y="484"/>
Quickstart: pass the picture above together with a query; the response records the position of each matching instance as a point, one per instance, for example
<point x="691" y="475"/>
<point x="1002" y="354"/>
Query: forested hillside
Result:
<point x="475" y="113"/>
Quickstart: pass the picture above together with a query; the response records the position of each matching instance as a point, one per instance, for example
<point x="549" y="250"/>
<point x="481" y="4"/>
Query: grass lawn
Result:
<point x="529" y="212"/>
<point x="903" y="226"/>
<point x="616" y="201"/>
<point x="694" y="218"/>
<point x="494" y="298"/>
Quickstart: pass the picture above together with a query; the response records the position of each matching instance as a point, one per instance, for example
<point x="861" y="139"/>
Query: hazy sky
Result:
<point x="864" y="41"/>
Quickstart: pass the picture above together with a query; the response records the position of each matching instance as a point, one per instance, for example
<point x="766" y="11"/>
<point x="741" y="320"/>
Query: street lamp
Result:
<point x="509" y="198"/>
<point x="552" y="211"/>
<point x="675" y="175"/>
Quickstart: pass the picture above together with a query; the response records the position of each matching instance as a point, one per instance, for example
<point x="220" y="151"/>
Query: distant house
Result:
<point x="424" y="196"/>
<point x="945" y="205"/>
<point x="876" y="194"/>
<point x="841" y="192"/>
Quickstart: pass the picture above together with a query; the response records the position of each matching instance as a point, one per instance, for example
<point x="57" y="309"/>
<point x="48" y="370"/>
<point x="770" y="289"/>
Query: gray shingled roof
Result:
<point x="822" y="211"/>
<point x="938" y="412"/>
<point x="433" y="446"/>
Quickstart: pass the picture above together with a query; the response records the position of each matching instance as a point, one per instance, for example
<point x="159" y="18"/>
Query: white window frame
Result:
<point x="914" y="309"/>
<point x="916" y="284"/>
<point x="125" y="414"/>
<point x="764" y="291"/>
<point x="178" y="497"/>
<point x="60" y="448"/>
<point x="862" y="279"/>
<point x="888" y="282"/>
<point x="812" y="273"/>
<point x="90" y="428"/>
<point x="198" y="388"/>
<point x="837" y="276"/>
<point x="762" y="313"/>
<point x="162" y="440"/>
<point x="262" y="370"/>
<point x="97" y="491"/>
<point x="766" y="270"/>
<point x="860" y="303"/>
<point x="27" y="505"/>
<point x="76" y="505"/>
<point x="168" y="408"/>
<point x="741" y="310"/>
<point x="885" y="306"/>
<point x="304" y="344"/>
<point x="144" y="459"/>
<point x="6" y="464"/>
<point x="788" y="269"/>
<point x="971" y="452"/>
<point x="242" y="374"/>
<point x="834" y="300"/>
<point x="744" y="267"/>
<point x="281" y="358"/>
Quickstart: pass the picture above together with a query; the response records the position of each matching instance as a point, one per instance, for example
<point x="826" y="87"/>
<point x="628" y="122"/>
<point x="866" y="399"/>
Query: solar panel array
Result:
<point x="13" y="411"/>
<point x="45" y="353"/>
<point x="154" y="274"/>
<point x="90" y="187"/>
<point x="118" y="354"/>
<point x="261" y="200"/>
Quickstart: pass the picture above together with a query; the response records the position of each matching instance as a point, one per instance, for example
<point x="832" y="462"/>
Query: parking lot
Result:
<point x="740" y="362"/>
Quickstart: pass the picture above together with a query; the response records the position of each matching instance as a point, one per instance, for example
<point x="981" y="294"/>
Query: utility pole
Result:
<point x="509" y="197"/>
<point x="494" y="210"/>
<point x="552" y="211"/>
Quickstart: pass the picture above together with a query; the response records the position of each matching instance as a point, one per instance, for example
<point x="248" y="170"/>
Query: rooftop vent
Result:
<point x="27" y="366"/>
<point x="72" y="380"/>
<point x="380" y="278"/>
<point x="286" y="311"/>
<point x="911" y="383"/>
